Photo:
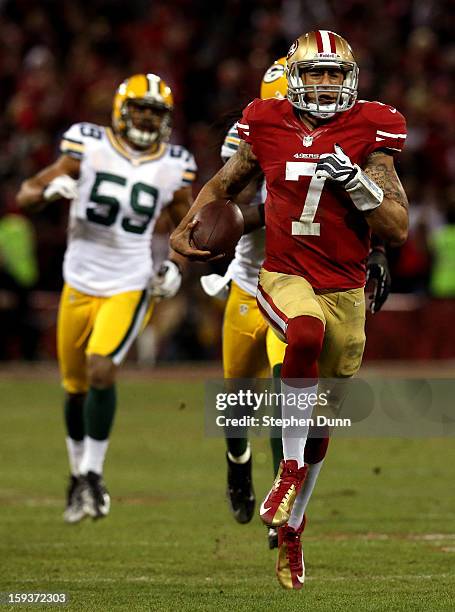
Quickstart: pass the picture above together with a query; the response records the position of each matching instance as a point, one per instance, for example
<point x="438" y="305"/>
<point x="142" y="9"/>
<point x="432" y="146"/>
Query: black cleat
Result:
<point x="240" y="493"/>
<point x="95" y="497"/>
<point x="272" y="536"/>
<point x="74" y="511"/>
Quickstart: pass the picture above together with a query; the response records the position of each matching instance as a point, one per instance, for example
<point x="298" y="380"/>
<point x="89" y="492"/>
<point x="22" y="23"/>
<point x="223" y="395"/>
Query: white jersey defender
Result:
<point x="120" y="196"/>
<point x="249" y="252"/>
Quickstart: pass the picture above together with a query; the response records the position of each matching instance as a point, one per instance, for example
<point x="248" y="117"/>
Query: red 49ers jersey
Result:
<point x="313" y="228"/>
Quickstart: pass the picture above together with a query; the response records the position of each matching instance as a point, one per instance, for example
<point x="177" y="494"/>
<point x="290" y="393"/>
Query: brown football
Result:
<point x="220" y="225"/>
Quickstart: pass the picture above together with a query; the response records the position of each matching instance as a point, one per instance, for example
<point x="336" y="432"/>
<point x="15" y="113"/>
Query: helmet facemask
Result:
<point x="346" y="92"/>
<point x="145" y="138"/>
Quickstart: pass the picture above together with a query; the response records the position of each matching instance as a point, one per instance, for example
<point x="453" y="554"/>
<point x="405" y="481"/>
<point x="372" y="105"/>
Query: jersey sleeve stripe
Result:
<point x="72" y="146"/>
<point x="188" y="177"/>
<point x="381" y="133"/>
<point x="232" y="140"/>
<point x="72" y="154"/>
<point x="76" y="154"/>
<point x="232" y="146"/>
<point x="79" y="142"/>
<point x="244" y="126"/>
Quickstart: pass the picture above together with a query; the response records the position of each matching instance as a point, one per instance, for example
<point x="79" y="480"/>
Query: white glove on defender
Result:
<point x="215" y="285"/>
<point x="337" y="166"/>
<point x="62" y="186"/>
<point x="167" y="282"/>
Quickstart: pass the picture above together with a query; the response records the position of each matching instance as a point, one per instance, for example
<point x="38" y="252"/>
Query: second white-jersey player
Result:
<point x="249" y="252"/>
<point x="250" y="348"/>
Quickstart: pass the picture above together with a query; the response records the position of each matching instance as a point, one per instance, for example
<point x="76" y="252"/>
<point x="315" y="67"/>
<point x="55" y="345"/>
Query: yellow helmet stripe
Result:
<point x="232" y="140"/>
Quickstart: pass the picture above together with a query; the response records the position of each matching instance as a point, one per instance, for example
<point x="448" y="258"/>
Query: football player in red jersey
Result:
<point x="331" y="182"/>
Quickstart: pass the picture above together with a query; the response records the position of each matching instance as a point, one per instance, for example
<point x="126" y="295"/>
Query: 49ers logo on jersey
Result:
<point x="306" y="155"/>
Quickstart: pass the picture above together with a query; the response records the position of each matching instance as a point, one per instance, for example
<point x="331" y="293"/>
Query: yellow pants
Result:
<point x="250" y="348"/>
<point x="96" y="325"/>
<point x="284" y="296"/>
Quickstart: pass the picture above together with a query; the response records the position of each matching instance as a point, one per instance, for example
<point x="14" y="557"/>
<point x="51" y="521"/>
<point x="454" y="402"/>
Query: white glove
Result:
<point x="337" y="167"/>
<point x="167" y="281"/>
<point x="364" y="192"/>
<point x="215" y="285"/>
<point x="62" y="186"/>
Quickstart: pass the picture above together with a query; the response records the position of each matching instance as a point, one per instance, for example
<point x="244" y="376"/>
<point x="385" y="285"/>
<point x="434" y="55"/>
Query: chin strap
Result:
<point x="320" y="113"/>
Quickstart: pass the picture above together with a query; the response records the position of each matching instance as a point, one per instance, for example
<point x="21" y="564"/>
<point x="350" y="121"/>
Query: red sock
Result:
<point x="316" y="447"/>
<point x="304" y="337"/>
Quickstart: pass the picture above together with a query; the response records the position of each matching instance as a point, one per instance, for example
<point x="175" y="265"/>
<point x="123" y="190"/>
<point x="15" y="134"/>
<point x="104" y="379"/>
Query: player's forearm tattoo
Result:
<point x="238" y="171"/>
<point x="387" y="179"/>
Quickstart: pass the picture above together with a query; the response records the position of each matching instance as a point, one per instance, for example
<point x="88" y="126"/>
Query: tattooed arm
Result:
<point x="390" y="220"/>
<point x="230" y="180"/>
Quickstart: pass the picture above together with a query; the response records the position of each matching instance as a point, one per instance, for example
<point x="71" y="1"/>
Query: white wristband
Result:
<point x="364" y="192"/>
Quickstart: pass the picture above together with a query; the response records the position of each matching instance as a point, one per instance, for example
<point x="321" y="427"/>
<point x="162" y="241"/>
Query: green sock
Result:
<point x="275" y="432"/>
<point x="74" y="416"/>
<point x="236" y="445"/>
<point x="99" y="410"/>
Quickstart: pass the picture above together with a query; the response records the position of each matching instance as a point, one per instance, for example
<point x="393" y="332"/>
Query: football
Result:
<point x="220" y="226"/>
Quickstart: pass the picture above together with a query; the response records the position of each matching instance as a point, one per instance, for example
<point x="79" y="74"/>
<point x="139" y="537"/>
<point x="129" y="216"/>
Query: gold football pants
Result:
<point x="250" y="348"/>
<point x="90" y="325"/>
<point x="284" y="296"/>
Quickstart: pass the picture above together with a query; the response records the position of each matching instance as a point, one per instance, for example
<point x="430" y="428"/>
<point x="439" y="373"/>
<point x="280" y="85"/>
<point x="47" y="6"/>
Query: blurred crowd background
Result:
<point x="61" y="61"/>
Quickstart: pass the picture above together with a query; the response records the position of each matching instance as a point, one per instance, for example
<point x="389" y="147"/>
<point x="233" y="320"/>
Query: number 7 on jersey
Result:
<point x="306" y="226"/>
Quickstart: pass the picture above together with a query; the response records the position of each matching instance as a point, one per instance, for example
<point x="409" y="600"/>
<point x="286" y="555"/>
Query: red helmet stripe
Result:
<point x="319" y="41"/>
<point x="333" y="44"/>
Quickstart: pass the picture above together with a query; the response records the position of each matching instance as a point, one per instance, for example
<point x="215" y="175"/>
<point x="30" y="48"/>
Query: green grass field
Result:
<point x="380" y="534"/>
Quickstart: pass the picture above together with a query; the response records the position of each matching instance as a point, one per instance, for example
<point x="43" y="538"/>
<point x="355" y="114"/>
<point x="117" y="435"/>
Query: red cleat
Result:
<point x="276" y="508"/>
<point x="290" y="566"/>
